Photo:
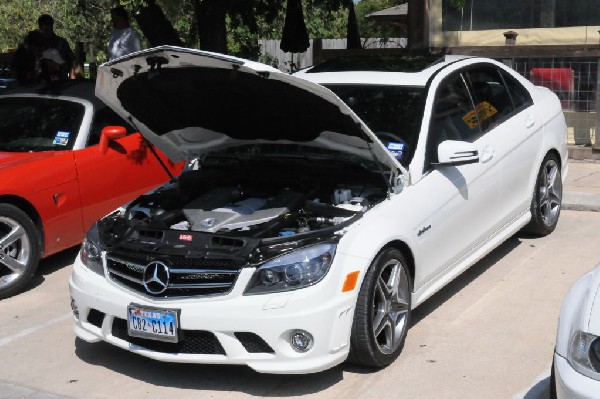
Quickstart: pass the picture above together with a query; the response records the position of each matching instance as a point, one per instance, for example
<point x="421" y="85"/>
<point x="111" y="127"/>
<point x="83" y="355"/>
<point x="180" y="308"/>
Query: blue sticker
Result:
<point x="397" y="149"/>
<point x="61" y="138"/>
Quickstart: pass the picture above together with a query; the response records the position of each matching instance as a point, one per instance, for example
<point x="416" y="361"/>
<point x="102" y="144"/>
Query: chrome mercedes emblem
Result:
<point x="156" y="277"/>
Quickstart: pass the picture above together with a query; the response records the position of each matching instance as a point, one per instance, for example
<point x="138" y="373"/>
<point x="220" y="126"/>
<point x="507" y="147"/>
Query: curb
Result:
<point x="581" y="201"/>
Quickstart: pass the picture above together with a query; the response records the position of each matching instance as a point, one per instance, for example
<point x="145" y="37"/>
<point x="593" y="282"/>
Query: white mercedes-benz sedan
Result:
<point x="317" y="210"/>
<point x="576" y="366"/>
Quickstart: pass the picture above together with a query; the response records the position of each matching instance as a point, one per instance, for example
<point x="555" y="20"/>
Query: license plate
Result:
<point x="152" y="323"/>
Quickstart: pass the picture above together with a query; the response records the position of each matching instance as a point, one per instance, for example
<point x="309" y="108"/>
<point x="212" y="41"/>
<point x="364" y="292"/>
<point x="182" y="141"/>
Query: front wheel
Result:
<point x="19" y="250"/>
<point x="382" y="314"/>
<point x="547" y="198"/>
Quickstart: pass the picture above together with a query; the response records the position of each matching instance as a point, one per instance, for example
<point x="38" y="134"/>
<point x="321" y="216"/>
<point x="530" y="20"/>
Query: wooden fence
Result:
<point x="273" y="55"/>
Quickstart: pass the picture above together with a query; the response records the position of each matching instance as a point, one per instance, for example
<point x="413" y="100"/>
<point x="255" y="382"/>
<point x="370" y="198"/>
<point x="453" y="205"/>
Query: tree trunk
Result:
<point x="418" y="24"/>
<point x="352" y="33"/>
<point x="156" y="27"/>
<point x="212" y="28"/>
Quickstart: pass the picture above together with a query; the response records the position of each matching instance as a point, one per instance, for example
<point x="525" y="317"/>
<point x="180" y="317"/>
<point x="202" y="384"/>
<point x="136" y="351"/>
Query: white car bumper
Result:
<point x="571" y="384"/>
<point x="322" y="310"/>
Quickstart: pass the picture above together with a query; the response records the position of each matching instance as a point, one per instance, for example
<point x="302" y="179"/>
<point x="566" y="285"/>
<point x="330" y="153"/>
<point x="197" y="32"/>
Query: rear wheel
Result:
<point x="382" y="314"/>
<point x="547" y="198"/>
<point x="19" y="250"/>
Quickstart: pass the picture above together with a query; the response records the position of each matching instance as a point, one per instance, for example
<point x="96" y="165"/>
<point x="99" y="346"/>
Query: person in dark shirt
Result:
<point x="52" y="41"/>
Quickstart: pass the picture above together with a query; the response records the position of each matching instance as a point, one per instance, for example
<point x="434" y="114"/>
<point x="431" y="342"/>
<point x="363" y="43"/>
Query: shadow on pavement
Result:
<point x="541" y="390"/>
<point x="204" y="377"/>
<point x="463" y="280"/>
<point x="52" y="264"/>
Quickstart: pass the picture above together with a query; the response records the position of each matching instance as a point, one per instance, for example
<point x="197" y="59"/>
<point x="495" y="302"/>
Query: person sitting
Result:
<point x="25" y="60"/>
<point x="50" y="40"/>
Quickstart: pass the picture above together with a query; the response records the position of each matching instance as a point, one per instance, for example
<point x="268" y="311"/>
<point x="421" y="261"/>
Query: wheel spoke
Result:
<point x="551" y="176"/>
<point x="383" y="288"/>
<point x="13" y="264"/>
<point x="383" y="322"/>
<point x="15" y="234"/>
<point x="554" y="201"/>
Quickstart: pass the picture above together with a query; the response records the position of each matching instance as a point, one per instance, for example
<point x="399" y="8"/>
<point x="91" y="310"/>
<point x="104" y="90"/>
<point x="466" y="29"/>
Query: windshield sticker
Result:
<point x="484" y="111"/>
<point x="61" y="138"/>
<point x="397" y="149"/>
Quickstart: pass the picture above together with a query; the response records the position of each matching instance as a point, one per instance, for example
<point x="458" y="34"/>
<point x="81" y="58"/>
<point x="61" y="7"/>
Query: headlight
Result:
<point x="297" y="269"/>
<point x="584" y="354"/>
<point x="91" y="253"/>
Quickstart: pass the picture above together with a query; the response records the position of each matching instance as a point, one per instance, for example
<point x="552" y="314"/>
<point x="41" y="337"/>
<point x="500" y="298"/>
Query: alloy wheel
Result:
<point x="15" y="251"/>
<point x="550" y="193"/>
<point x="390" y="306"/>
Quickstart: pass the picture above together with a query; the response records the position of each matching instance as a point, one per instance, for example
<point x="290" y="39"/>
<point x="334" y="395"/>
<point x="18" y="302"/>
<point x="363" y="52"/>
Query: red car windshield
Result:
<point x="39" y="124"/>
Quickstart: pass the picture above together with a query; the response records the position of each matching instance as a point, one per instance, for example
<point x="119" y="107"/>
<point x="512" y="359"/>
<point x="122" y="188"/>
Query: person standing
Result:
<point x="51" y="40"/>
<point x="123" y="38"/>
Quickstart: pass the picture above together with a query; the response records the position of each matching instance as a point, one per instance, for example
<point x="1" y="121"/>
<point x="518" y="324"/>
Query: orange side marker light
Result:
<point x="350" y="283"/>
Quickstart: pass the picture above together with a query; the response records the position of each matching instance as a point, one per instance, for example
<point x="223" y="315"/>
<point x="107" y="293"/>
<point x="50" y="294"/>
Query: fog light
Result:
<point x="75" y="309"/>
<point x="301" y="341"/>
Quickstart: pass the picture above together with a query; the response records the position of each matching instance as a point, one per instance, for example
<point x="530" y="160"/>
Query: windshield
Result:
<point x="287" y="153"/>
<point x="38" y="124"/>
<point x="393" y="113"/>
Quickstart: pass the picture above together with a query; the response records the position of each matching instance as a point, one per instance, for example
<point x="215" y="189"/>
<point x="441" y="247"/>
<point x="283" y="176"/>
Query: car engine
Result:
<point x="264" y="202"/>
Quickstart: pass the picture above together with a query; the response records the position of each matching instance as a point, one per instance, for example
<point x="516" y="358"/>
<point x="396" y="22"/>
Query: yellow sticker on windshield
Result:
<point x="484" y="111"/>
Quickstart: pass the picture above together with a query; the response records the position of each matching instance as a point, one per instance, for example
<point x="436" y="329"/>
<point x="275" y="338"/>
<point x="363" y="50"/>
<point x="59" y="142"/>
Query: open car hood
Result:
<point x="190" y="102"/>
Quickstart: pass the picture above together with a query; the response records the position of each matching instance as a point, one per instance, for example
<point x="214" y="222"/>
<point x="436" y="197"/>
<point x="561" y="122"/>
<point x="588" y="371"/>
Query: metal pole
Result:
<point x="596" y="145"/>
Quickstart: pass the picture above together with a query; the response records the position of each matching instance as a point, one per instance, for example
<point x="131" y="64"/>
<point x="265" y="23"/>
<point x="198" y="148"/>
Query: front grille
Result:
<point x="192" y="341"/>
<point x="189" y="277"/>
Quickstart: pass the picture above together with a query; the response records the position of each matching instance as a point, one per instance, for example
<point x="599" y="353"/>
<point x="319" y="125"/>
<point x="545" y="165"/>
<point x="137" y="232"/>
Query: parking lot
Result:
<point x="489" y="334"/>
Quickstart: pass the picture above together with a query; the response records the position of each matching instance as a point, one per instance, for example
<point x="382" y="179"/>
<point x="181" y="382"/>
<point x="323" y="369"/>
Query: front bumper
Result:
<point x="322" y="310"/>
<point x="571" y="384"/>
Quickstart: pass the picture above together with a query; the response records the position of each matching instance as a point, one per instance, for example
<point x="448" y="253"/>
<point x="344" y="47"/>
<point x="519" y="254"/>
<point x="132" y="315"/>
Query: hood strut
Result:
<point x="379" y="166"/>
<point x="151" y="146"/>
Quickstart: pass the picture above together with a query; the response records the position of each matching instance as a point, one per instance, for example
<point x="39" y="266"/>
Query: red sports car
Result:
<point x="65" y="160"/>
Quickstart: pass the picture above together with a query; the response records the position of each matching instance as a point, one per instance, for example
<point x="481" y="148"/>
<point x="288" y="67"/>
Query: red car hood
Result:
<point x="12" y="159"/>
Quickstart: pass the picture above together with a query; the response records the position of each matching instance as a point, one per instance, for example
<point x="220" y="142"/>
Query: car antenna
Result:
<point x="151" y="147"/>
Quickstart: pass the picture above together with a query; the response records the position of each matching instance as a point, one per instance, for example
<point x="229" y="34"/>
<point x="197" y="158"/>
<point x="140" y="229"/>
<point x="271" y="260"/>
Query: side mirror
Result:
<point x="456" y="153"/>
<point x="110" y="133"/>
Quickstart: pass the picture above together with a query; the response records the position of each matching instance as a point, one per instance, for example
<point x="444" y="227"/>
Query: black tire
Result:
<point x="382" y="314"/>
<point x="19" y="250"/>
<point x="547" y="198"/>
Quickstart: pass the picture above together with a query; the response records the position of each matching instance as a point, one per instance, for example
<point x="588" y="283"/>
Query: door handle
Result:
<point x="529" y="122"/>
<point x="487" y="154"/>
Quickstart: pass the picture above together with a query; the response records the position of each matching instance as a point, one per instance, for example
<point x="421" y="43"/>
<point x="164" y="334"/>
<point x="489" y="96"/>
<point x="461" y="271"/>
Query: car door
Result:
<point x="129" y="168"/>
<point x="461" y="198"/>
<point x="519" y="136"/>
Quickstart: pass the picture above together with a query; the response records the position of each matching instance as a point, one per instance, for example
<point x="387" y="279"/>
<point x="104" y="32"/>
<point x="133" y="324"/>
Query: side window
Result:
<point x="520" y="96"/>
<point x="492" y="101"/>
<point x="102" y="118"/>
<point x="453" y="116"/>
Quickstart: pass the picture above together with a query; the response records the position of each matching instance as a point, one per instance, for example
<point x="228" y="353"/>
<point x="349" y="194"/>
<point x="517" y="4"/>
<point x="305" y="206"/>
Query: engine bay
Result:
<point x="257" y="200"/>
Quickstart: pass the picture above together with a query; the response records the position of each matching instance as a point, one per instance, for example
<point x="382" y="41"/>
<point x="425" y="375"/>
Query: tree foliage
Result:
<point x="244" y="21"/>
<point x="372" y="29"/>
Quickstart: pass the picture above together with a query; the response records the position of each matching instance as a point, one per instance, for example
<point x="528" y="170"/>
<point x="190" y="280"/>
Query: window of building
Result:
<point x="519" y="14"/>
